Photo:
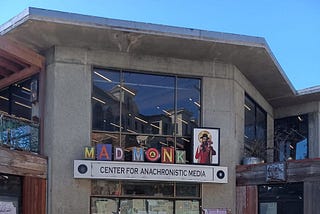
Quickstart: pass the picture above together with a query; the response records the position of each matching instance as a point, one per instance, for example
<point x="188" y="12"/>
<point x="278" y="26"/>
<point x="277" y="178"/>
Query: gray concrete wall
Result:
<point x="68" y="117"/>
<point x="66" y="131"/>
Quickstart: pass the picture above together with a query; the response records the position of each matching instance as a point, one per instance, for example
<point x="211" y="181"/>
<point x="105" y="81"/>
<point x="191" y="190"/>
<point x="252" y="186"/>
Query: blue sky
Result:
<point x="291" y="27"/>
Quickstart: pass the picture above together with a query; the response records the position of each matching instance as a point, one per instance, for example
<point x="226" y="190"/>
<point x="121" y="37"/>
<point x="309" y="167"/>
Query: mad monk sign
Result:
<point x="108" y="163"/>
<point x="104" y="152"/>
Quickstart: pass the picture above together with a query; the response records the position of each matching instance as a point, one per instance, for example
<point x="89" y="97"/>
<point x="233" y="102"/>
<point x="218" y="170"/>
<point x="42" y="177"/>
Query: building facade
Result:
<point x="143" y="118"/>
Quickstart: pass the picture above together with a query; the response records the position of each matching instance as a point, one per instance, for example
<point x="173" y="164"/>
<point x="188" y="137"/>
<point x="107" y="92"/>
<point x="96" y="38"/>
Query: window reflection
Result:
<point x="105" y="100"/>
<point x="255" y="133"/>
<point x="16" y="99"/>
<point x="147" y="103"/>
<point x="187" y="207"/>
<point x="148" y="189"/>
<point x="144" y="206"/>
<point x="291" y="138"/>
<point x="188" y="102"/>
<point x="146" y="110"/>
<point x="150" y="104"/>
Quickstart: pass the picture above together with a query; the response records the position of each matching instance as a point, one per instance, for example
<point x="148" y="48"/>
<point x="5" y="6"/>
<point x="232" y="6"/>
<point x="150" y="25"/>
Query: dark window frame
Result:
<point x="255" y="146"/>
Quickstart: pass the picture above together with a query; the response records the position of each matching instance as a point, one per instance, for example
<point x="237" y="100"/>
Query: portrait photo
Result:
<point x="206" y="146"/>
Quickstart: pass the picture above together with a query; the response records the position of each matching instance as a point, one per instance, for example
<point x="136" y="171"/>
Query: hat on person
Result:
<point x="204" y="135"/>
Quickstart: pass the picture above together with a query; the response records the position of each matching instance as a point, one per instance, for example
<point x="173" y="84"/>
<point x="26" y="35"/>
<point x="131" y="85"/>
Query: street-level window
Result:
<point x="136" y="109"/>
<point x="144" y="197"/>
<point x="255" y="132"/>
<point x="291" y="138"/>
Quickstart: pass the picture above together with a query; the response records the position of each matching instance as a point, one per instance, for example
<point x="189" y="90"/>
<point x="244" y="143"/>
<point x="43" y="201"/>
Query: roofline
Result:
<point x="32" y="13"/>
<point x="310" y="90"/>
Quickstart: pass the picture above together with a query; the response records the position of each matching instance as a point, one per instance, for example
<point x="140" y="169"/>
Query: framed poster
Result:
<point x="206" y="146"/>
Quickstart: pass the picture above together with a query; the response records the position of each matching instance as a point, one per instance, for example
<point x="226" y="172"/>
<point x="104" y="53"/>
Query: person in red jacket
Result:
<point x="205" y="150"/>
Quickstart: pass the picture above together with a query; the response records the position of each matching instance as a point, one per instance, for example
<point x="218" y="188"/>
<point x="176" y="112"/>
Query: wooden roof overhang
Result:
<point x="17" y="62"/>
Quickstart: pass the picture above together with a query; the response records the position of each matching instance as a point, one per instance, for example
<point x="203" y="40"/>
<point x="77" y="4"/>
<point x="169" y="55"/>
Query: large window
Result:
<point x="16" y="99"/>
<point x="255" y="133"/>
<point x="144" y="197"/>
<point x="291" y="138"/>
<point x="131" y="109"/>
<point x="19" y="121"/>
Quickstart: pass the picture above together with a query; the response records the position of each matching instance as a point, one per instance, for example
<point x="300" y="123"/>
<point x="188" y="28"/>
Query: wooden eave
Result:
<point x="295" y="171"/>
<point x="17" y="62"/>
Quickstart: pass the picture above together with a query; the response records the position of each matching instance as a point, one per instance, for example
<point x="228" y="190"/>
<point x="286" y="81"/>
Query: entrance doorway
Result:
<point x="281" y="198"/>
<point x="10" y="193"/>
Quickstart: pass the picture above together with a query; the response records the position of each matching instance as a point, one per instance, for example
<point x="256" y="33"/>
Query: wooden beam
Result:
<point x="296" y="171"/>
<point x="9" y="65"/>
<point x="22" y="163"/>
<point x="23" y="74"/>
<point x="21" y="53"/>
<point x="4" y="72"/>
<point x="8" y="56"/>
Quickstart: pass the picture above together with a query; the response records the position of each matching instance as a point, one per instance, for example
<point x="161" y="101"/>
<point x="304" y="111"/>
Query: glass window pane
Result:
<point x="146" y="206"/>
<point x="291" y="138"/>
<point x="185" y="144"/>
<point x="189" y="105"/>
<point x="148" y="103"/>
<point x="187" y="190"/>
<point x="104" y="205"/>
<point x="255" y="139"/>
<point x="21" y="99"/>
<point x="106" y="97"/>
<point x="105" y="187"/>
<point x="249" y="132"/>
<point x="261" y="125"/>
<point x="187" y="207"/>
<point x="4" y="100"/>
<point x="148" y="189"/>
<point x="145" y="142"/>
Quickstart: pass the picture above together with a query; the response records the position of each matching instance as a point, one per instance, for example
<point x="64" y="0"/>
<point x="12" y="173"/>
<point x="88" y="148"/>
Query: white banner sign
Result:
<point x="149" y="171"/>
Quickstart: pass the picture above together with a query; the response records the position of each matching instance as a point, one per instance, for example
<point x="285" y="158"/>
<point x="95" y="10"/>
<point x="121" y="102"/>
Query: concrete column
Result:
<point x="314" y="134"/>
<point x="270" y="139"/>
<point x="67" y="126"/>
<point x="219" y="98"/>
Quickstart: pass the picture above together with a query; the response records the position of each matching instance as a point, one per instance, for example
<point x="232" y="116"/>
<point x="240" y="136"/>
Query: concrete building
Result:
<point x="137" y="98"/>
